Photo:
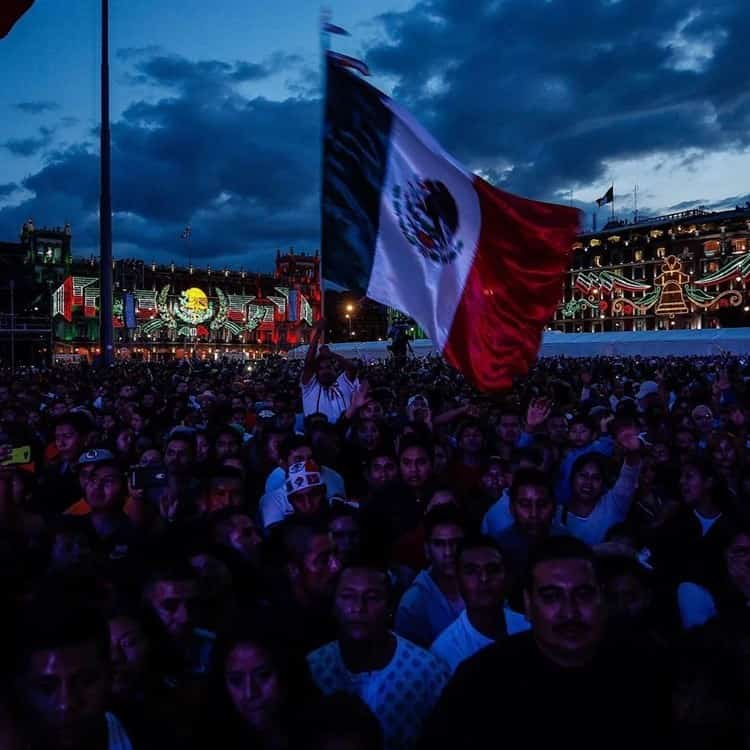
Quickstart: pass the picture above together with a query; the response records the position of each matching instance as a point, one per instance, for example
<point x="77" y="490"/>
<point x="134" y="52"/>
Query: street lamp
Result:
<point x="349" y="320"/>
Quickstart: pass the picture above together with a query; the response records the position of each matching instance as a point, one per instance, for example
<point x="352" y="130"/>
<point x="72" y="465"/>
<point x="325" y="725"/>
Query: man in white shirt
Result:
<point x="322" y="391"/>
<point x="482" y="581"/>
<point x="398" y="681"/>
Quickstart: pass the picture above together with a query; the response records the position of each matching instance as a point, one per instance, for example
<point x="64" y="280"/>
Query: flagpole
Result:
<point x="324" y="47"/>
<point x="612" y="217"/>
<point x="105" y="204"/>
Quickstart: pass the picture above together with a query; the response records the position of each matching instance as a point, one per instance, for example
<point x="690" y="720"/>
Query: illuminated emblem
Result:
<point x="428" y="218"/>
<point x="193" y="306"/>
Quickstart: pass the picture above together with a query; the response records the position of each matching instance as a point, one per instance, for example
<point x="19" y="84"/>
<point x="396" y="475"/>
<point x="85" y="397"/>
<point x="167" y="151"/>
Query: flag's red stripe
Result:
<point x="513" y="287"/>
<point x="10" y="12"/>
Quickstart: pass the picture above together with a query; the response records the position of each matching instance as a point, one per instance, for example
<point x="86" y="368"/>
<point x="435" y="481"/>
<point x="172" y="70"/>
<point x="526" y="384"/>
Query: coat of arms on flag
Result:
<point x="428" y="216"/>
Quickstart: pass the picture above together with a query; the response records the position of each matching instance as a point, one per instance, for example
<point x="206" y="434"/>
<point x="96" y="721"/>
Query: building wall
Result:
<point x="683" y="271"/>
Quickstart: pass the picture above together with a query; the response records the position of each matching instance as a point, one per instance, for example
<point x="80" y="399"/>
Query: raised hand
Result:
<point x="538" y="412"/>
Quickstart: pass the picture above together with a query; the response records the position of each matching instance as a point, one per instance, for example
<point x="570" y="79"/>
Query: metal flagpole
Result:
<point x="105" y="205"/>
<point x="325" y="16"/>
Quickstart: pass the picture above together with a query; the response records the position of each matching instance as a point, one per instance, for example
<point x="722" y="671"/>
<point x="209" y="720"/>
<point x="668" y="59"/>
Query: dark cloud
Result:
<point x="31" y="145"/>
<point x="7" y="189"/>
<point x="544" y="94"/>
<point x="244" y="172"/>
<point x="36" y="108"/>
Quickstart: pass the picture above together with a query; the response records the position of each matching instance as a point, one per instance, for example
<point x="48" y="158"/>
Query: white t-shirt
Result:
<point x="612" y="508"/>
<point x="332" y="401"/>
<point x="274" y="506"/>
<point x="461" y="639"/>
<point x="401" y="695"/>
<point x="498" y="518"/>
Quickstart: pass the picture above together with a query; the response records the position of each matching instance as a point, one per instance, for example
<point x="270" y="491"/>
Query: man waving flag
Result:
<point x="480" y="269"/>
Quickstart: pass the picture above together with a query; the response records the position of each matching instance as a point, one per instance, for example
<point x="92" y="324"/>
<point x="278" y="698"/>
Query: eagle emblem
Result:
<point x="428" y="218"/>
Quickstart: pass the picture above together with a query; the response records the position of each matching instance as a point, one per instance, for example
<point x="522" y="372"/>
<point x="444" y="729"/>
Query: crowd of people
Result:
<point x="346" y="555"/>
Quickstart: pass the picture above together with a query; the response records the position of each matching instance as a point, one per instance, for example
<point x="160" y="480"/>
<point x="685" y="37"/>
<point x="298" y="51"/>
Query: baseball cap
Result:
<point x="647" y="388"/>
<point x="95" y="456"/>
<point x="302" y="476"/>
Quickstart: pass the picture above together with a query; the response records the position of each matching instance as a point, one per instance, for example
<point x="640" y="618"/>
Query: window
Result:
<point x="739" y="246"/>
<point x="711" y="247"/>
<point x="598" y="261"/>
<point x="661" y="252"/>
<point x="638" y="256"/>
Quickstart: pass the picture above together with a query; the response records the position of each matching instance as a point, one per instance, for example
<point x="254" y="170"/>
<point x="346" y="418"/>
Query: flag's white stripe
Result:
<point x="401" y="276"/>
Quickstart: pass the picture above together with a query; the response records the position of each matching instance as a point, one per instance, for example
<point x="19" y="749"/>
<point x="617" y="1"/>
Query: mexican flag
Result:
<point x="10" y="12"/>
<point x="405" y="224"/>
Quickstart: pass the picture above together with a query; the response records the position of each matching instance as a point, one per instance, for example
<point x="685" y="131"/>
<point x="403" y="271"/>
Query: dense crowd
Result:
<point x="345" y="555"/>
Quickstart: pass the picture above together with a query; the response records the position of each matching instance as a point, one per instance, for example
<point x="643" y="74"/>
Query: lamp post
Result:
<point x="349" y="311"/>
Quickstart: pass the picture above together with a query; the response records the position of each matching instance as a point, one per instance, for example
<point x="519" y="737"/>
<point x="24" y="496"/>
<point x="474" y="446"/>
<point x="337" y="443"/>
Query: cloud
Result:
<point x="505" y="90"/>
<point x="244" y="172"/>
<point x="7" y="189"/>
<point x="37" y="107"/>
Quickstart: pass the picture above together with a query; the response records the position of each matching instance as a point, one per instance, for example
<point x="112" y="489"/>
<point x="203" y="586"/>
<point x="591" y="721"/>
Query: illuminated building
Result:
<point x="169" y="311"/>
<point x="685" y="270"/>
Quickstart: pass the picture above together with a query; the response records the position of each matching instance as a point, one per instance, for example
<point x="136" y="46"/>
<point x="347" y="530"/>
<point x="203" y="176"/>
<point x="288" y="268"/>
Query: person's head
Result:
<point x="305" y="490"/>
<point x="125" y="441"/>
<point x="700" y="483"/>
<point x="368" y="434"/>
<point x="481" y="574"/>
<point x="325" y="371"/>
<point x="496" y="477"/>
<point x="362" y="604"/>
<point x="312" y="562"/>
<point x="470" y="438"/>
<point x="415" y="462"/>
<point x="703" y="419"/>
<point x="202" y="447"/>
<point x="628" y="588"/>
<point x="227" y="443"/>
<point x="179" y="453"/>
<point x="373" y="409"/>
<point x="564" y="601"/>
<point x="226" y="489"/>
<point x="345" y="530"/>
<point x="71" y="546"/>
<point x="295" y="449"/>
<point x="129" y="649"/>
<point x="258" y="678"/>
<point x="508" y="427"/>
<point x="557" y="428"/>
<point x="150" y="457"/>
<point x="71" y="431"/>
<point x="272" y="441"/>
<point x="444" y="528"/>
<point x="235" y="529"/>
<point x="171" y="595"/>
<point x="442" y="496"/>
<point x="382" y="469"/>
<point x="685" y="443"/>
<point x="737" y="556"/>
<point x="443" y="454"/>
<point x="532" y="504"/>
<point x="63" y="675"/>
<point x="723" y="452"/>
<point x="138" y="422"/>
<point x="581" y="431"/>
<point x="587" y="478"/>
<point x="88" y="461"/>
<point x="106" y="488"/>
<point x="285" y="420"/>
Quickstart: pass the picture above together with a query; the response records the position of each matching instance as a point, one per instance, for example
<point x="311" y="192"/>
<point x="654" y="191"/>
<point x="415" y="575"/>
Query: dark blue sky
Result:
<point x="216" y="110"/>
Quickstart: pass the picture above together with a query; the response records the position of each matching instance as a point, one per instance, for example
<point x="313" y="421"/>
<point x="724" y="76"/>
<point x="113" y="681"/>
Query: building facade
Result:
<point x="686" y="270"/>
<point x="164" y="312"/>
